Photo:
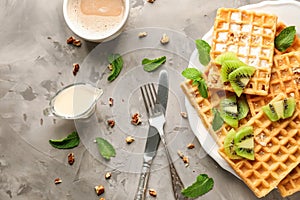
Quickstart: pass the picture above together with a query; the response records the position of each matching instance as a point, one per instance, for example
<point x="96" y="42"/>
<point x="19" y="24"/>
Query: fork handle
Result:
<point x="177" y="184"/>
<point x="144" y="176"/>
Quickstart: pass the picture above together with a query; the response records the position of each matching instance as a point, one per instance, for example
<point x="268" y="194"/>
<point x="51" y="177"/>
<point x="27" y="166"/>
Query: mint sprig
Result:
<point x="217" y="122"/>
<point x="285" y="38"/>
<point x="204" y="51"/>
<point x="202" y="185"/>
<point x="196" y="76"/>
<point x="116" y="62"/>
<point x="105" y="148"/>
<point x="153" y="64"/>
<point x="71" y="141"/>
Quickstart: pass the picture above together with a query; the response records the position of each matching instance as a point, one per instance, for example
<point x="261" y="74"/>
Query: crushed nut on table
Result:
<point x="75" y="68"/>
<point x="110" y="67"/>
<point x="111" y="123"/>
<point x="180" y="154"/>
<point x="165" y="39"/>
<point x="110" y="101"/>
<point x="142" y="34"/>
<point x="152" y="192"/>
<point x="99" y="189"/>
<point x="70" y="40"/>
<point x="107" y="175"/>
<point x="76" y="43"/>
<point x="101" y="198"/>
<point x="57" y="181"/>
<point x="71" y="158"/>
<point x="190" y="146"/>
<point x="135" y="119"/>
<point x="129" y="139"/>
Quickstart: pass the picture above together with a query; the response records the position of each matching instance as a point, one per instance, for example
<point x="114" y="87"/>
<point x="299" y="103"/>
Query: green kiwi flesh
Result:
<point x="229" y="111"/>
<point x="244" y="142"/>
<point x="225" y="56"/>
<point x="280" y="109"/>
<point x="243" y="107"/>
<point x="229" y="66"/>
<point x="240" y="77"/>
<point x="229" y="147"/>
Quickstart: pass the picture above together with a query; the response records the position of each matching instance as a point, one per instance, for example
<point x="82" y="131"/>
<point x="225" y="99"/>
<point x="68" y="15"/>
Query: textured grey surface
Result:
<point x="35" y="62"/>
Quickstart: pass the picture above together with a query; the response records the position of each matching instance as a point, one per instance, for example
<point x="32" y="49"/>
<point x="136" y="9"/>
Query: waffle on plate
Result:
<point x="276" y="144"/>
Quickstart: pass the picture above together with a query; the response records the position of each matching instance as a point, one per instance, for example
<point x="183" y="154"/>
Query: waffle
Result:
<point x="277" y="153"/>
<point x="251" y="36"/>
<point x="291" y="183"/>
<point x="284" y="79"/>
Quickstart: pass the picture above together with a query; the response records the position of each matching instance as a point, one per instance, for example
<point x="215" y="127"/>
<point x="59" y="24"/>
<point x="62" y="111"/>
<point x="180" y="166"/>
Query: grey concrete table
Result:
<point x="35" y="62"/>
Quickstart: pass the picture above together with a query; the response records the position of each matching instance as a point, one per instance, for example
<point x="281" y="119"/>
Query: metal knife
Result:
<point x="153" y="137"/>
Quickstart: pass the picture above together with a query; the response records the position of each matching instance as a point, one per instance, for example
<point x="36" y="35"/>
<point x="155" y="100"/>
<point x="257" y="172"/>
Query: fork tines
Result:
<point x="149" y="96"/>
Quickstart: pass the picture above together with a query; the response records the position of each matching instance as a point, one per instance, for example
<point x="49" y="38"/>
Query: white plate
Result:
<point x="286" y="10"/>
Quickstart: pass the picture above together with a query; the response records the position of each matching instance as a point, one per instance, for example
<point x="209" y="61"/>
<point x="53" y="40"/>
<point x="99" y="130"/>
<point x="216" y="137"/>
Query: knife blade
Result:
<point x="153" y="138"/>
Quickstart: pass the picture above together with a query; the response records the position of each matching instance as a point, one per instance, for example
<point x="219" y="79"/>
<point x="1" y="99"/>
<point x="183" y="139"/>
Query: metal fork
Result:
<point x="155" y="112"/>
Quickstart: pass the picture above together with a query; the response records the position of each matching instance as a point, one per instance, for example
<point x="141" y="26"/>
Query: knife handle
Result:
<point x="141" y="192"/>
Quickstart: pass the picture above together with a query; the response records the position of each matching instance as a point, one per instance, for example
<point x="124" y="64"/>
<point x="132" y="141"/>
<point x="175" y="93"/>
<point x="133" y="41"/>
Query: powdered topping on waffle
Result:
<point x="251" y="36"/>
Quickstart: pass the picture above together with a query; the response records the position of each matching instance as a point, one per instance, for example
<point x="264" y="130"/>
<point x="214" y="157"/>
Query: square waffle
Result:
<point x="284" y="79"/>
<point x="251" y="36"/>
<point x="277" y="153"/>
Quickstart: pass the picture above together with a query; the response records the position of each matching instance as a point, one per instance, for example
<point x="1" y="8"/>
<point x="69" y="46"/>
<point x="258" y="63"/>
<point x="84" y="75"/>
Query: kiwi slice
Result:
<point x="244" y="142"/>
<point x="229" y="66"/>
<point x="225" y="56"/>
<point x="280" y="109"/>
<point x="269" y="110"/>
<point x="229" y="147"/>
<point x="243" y="107"/>
<point x="240" y="77"/>
<point x="289" y="105"/>
<point x="229" y="111"/>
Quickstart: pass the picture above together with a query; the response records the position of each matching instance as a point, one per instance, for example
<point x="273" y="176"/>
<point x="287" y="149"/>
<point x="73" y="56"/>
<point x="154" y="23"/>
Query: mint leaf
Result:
<point x="217" y="120"/>
<point x="202" y="185"/>
<point x="191" y="73"/>
<point x="285" y="38"/>
<point x="196" y="76"/>
<point x="204" y="51"/>
<point x="150" y="65"/>
<point x="116" y="62"/>
<point x="105" y="148"/>
<point x="202" y="87"/>
<point x="71" y="141"/>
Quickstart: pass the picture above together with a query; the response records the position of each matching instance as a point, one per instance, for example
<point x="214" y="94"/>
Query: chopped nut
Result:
<point x="110" y="67"/>
<point x="76" y="43"/>
<point x="129" y="140"/>
<point x="187" y="164"/>
<point x="71" y="158"/>
<point x="70" y="40"/>
<point x="165" y="39"/>
<point x="110" y="101"/>
<point x="190" y="146"/>
<point x="111" y="123"/>
<point x="101" y="198"/>
<point x="152" y="192"/>
<point x="107" y="175"/>
<point x="99" y="189"/>
<point x="180" y="154"/>
<point x="57" y="181"/>
<point x="135" y="119"/>
<point x="75" y="68"/>
<point x="185" y="159"/>
<point x="183" y="114"/>
<point x="142" y="34"/>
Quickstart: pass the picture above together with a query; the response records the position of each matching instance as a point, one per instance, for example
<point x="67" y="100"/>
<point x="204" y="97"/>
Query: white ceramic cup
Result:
<point x="101" y="37"/>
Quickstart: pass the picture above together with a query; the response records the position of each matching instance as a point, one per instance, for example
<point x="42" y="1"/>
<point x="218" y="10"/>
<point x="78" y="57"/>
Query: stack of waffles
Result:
<point x="277" y="144"/>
